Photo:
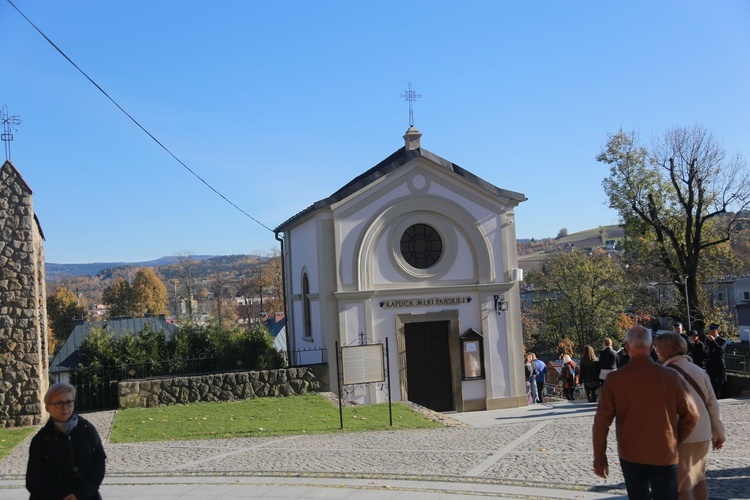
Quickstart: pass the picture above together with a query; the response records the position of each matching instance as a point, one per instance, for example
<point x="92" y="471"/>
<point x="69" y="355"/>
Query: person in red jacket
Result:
<point x="654" y="412"/>
<point x="569" y="376"/>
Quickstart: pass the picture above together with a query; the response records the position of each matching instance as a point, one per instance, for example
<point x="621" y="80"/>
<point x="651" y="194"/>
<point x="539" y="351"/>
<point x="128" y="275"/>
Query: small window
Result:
<point x="307" y="321"/>
<point x="721" y="296"/>
<point x="747" y="295"/>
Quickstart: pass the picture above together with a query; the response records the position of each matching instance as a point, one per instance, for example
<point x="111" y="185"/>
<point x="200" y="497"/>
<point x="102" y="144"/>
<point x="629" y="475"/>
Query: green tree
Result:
<point x="97" y="354"/>
<point x="579" y="297"/>
<point x="119" y="298"/>
<point x="680" y="202"/>
<point x="149" y="293"/>
<point x="62" y="309"/>
<point x="257" y="344"/>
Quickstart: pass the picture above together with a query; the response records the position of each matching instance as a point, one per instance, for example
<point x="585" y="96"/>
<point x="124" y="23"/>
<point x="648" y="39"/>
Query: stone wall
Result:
<point x="232" y="386"/>
<point x="738" y="385"/>
<point x="23" y="305"/>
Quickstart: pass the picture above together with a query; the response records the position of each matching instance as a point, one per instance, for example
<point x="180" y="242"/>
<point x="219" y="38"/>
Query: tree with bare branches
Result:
<point x="186" y="283"/>
<point x="681" y="201"/>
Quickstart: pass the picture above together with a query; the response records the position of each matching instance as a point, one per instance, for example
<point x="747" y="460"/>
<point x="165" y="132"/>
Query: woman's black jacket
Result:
<point x="61" y="464"/>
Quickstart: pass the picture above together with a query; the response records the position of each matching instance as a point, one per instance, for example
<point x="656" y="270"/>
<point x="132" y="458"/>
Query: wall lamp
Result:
<point x="500" y="304"/>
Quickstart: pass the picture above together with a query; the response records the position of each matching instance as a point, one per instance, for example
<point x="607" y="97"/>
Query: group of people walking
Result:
<point x="593" y="370"/>
<point x="662" y="392"/>
<point x="667" y="418"/>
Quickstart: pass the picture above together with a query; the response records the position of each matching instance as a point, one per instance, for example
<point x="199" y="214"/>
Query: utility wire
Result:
<point x="134" y="120"/>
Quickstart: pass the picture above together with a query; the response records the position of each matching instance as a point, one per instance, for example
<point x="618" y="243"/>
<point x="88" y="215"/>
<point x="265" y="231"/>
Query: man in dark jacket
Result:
<point x="716" y="365"/>
<point x="607" y="360"/>
<point x="66" y="456"/>
<point x="697" y="349"/>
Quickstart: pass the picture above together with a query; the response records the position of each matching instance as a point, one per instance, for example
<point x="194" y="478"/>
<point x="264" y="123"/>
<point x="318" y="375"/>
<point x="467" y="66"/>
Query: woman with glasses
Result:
<point x="66" y="457"/>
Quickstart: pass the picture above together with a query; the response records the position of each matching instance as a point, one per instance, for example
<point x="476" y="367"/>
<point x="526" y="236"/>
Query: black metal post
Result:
<point x="338" y="379"/>
<point x="388" y="371"/>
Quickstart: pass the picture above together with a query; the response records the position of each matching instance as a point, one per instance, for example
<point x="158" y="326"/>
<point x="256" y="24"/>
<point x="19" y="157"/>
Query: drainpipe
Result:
<point x="283" y="296"/>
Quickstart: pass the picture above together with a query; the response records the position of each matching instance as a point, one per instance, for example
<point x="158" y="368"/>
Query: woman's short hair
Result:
<point x="670" y="344"/>
<point x="59" y="388"/>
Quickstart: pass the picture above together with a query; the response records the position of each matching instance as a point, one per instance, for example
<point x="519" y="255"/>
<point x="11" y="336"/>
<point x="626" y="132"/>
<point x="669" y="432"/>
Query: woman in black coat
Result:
<point x="590" y="373"/>
<point x="66" y="457"/>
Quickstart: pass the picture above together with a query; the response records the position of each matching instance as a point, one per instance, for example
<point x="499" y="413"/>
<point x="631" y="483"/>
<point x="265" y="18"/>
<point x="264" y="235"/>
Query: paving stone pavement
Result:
<point x="546" y="447"/>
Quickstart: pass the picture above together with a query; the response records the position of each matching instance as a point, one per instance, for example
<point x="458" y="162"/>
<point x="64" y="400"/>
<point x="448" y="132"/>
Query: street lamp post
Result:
<point x="687" y="304"/>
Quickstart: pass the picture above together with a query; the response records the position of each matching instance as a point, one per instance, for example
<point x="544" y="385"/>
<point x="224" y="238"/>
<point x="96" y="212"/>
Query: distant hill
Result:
<point x="531" y="256"/>
<point x="532" y="253"/>
<point x="54" y="271"/>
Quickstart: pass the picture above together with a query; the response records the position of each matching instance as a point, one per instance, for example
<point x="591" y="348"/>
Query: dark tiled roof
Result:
<point x="274" y="327"/>
<point x="398" y="159"/>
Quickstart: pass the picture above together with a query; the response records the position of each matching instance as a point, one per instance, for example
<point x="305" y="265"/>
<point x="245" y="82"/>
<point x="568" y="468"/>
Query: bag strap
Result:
<point x="691" y="381"/>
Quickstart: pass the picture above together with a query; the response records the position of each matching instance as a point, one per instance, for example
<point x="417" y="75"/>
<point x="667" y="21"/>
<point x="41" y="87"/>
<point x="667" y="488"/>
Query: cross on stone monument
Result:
<point x="410" y="97"/>
<point x="7" y="135"/>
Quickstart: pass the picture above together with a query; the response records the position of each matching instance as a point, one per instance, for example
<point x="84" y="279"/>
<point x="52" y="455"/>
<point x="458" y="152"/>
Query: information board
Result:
<point x="363" y="364"/>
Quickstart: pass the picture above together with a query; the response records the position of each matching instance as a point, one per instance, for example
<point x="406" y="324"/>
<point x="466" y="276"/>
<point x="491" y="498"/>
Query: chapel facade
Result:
<point x="419" y="254"/>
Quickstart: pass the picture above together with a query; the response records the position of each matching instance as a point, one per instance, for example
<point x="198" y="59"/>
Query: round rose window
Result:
<point x="421" y="246"/>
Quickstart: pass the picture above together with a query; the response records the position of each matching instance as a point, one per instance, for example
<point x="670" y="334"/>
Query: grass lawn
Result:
<point x="9" y="438"/>
<point x="308" y="414"/>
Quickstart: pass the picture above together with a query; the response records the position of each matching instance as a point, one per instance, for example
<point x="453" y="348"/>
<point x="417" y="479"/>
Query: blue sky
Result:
<point x="278" y="104"/>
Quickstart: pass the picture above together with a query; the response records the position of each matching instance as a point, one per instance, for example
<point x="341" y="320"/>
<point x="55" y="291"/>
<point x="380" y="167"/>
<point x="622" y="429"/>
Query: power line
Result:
<point x="134" y="120"/>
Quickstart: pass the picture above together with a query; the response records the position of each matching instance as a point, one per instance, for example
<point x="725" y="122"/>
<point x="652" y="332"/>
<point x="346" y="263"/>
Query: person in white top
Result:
<point x="693" y="451"/>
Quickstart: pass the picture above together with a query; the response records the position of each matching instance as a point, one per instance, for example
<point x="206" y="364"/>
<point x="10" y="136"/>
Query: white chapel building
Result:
<point x="418" y="252"/>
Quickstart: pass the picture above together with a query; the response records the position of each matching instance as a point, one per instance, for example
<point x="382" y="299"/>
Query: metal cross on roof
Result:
<point x="7" y="135"/>
<point x="410" y="96"/>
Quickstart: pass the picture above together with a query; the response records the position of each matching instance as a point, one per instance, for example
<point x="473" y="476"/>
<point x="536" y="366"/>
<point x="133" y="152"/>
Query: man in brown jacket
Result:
<point x="654" y="411"/>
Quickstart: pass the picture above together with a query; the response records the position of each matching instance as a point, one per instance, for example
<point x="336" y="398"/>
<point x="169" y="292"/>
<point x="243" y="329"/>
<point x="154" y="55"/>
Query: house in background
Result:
<point x="732" y="295"/>
<point x="68" y="357"/>
<point x="419" y="253"/>
<point x="276" y="326"/>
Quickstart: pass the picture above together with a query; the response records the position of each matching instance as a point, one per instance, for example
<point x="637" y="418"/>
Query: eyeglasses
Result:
<point x="60" y="404"/>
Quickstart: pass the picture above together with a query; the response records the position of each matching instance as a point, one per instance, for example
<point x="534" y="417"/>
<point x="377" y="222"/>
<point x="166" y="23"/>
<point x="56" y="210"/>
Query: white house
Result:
<point x="421" y="253"/>
<point x="742" y="307"/>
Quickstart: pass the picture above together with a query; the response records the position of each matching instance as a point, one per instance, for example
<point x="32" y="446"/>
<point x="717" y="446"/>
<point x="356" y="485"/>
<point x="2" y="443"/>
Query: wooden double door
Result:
<point x="428" y="364"/>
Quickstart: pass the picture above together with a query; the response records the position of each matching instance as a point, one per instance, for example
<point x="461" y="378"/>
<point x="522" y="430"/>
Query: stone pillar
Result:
<point x="24" y="363"/>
